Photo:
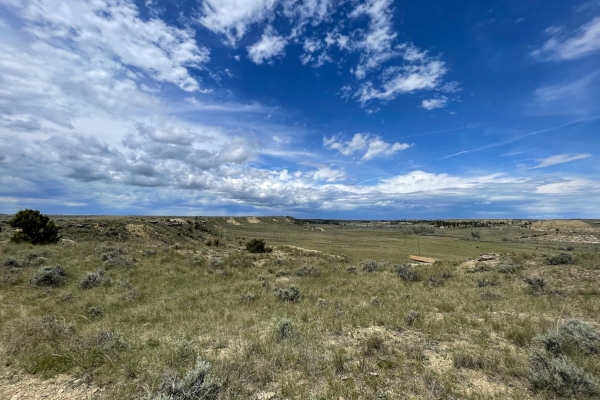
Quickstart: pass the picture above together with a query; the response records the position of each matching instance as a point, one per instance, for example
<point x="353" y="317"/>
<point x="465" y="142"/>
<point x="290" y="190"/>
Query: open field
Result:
<point x="334" y="311"/>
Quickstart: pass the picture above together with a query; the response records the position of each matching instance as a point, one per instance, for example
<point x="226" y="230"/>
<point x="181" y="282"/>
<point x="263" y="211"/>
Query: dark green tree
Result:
<point x="258" y="246"/>
<point x="36" y="228"/>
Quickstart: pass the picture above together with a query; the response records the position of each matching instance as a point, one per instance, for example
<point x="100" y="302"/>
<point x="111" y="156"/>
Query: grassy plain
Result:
<point x="162" y="298"/>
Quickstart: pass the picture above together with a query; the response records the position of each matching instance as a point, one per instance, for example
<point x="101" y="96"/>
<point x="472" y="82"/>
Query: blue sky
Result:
<point x="312" y="108"/>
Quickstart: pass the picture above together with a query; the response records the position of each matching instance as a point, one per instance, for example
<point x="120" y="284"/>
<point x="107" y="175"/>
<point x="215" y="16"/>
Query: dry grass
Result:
<point x="171" y="305"/>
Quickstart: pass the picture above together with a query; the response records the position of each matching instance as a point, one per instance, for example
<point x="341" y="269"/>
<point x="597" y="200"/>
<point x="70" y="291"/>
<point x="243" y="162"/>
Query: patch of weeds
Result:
<point x="480" y="267"/>
<point x="49" y="276"/>
<point x="284" y="329"/>
<point x="466" y="359"/>
<point x="197" y="383"/>
<point x="438" y="280"/>
<point x="509" y="268"/>
<point x="281" y="273"/>
<point x="290" y="294"/>
<point x="490" y="296"/>
<point x="95" y="312"/>
<point x="306" y="271"/>
<point x="375" y="302"/>
<point x="198" y="261"/>
<point x="109" y="340"/>
<point x="322" y="303"/>
<point x="65" y="296"/>
<point x="537" y="284"/>
<point x="484" y="282"/>
<point x="407" y="273"/>
<point x="14" y="277"/>
<point x="411" y="317"/>
<point x="248" y="297"/>
<point x="339" y="361"/>
<point x="115" y="259"/>
<point x="561" y="259"/>
<point x="373" y="344"/>
<point x="352" y="270"/>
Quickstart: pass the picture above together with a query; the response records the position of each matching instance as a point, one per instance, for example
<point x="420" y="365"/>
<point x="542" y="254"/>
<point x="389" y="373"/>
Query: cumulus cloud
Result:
<point x="432" y="104"/>
<point x="232" y="17"/>
<point x="329" y="174"/>
<point x="270" y="45"/>
<point x="569" y="46"/>
<point x="374" y="146"/>
<point x="560" y="159"/>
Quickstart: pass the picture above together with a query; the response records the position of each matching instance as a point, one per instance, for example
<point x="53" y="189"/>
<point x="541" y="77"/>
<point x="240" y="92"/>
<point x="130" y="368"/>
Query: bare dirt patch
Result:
<point x="23" y="386"/>
<point x="233" y="221"/>
<point x="253" y="220"/>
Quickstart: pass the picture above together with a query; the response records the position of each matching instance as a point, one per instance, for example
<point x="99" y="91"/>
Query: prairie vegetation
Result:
<point x="146" y="308"/>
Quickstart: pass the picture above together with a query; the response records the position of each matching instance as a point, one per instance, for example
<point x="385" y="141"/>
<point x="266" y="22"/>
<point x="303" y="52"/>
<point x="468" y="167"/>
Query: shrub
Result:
<point x="411" y="317"/>
<point x="290" y="294"/>
<point x="281" y="273"/>
<point x="551" y="369"/>
<point x="95" y="312"/>
<point x="561" y="259"/>
<point x="575" y="336"/>
<point x="407" y="273"/>
<point x="94" y="279"/>
<point x="313" y="272"/>
<point x="351" y="270"/>
<point x="35" y="227"/>
<point x="322" y="303"/>
<point x="476" y="235"/>
<point x="49" y="276"/>
<point x="258" y="246"/>
<point x="536" y="283"/>
<point x="195" y="384"/>
<point x="369" y="265"/>
<point x="483" y="282"/>
<point x="284" y="329"/>
<point x="12" y="262"/>
<point x="509" y="268"/>
<point x="559" y="375"/>
<point x="375" y="302"/>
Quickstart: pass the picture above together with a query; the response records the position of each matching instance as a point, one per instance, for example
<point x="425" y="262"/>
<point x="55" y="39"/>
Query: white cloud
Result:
<point x="116" y="30"/>
<point x="232" y="17"/>
<point x="568" y="186"/>
<point x="580" y="43"/>
<point x="329" y="174"/>
<point x="432" y="104"/>
<point x="404" y="80"/>
<point x="373" y="145"/>
<point x="571" y="97"/>
<point x="560" y="159"/>
<point x="378" y="147"/>
<point x="270" y="45"/>
<point x="376" y="43"/>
